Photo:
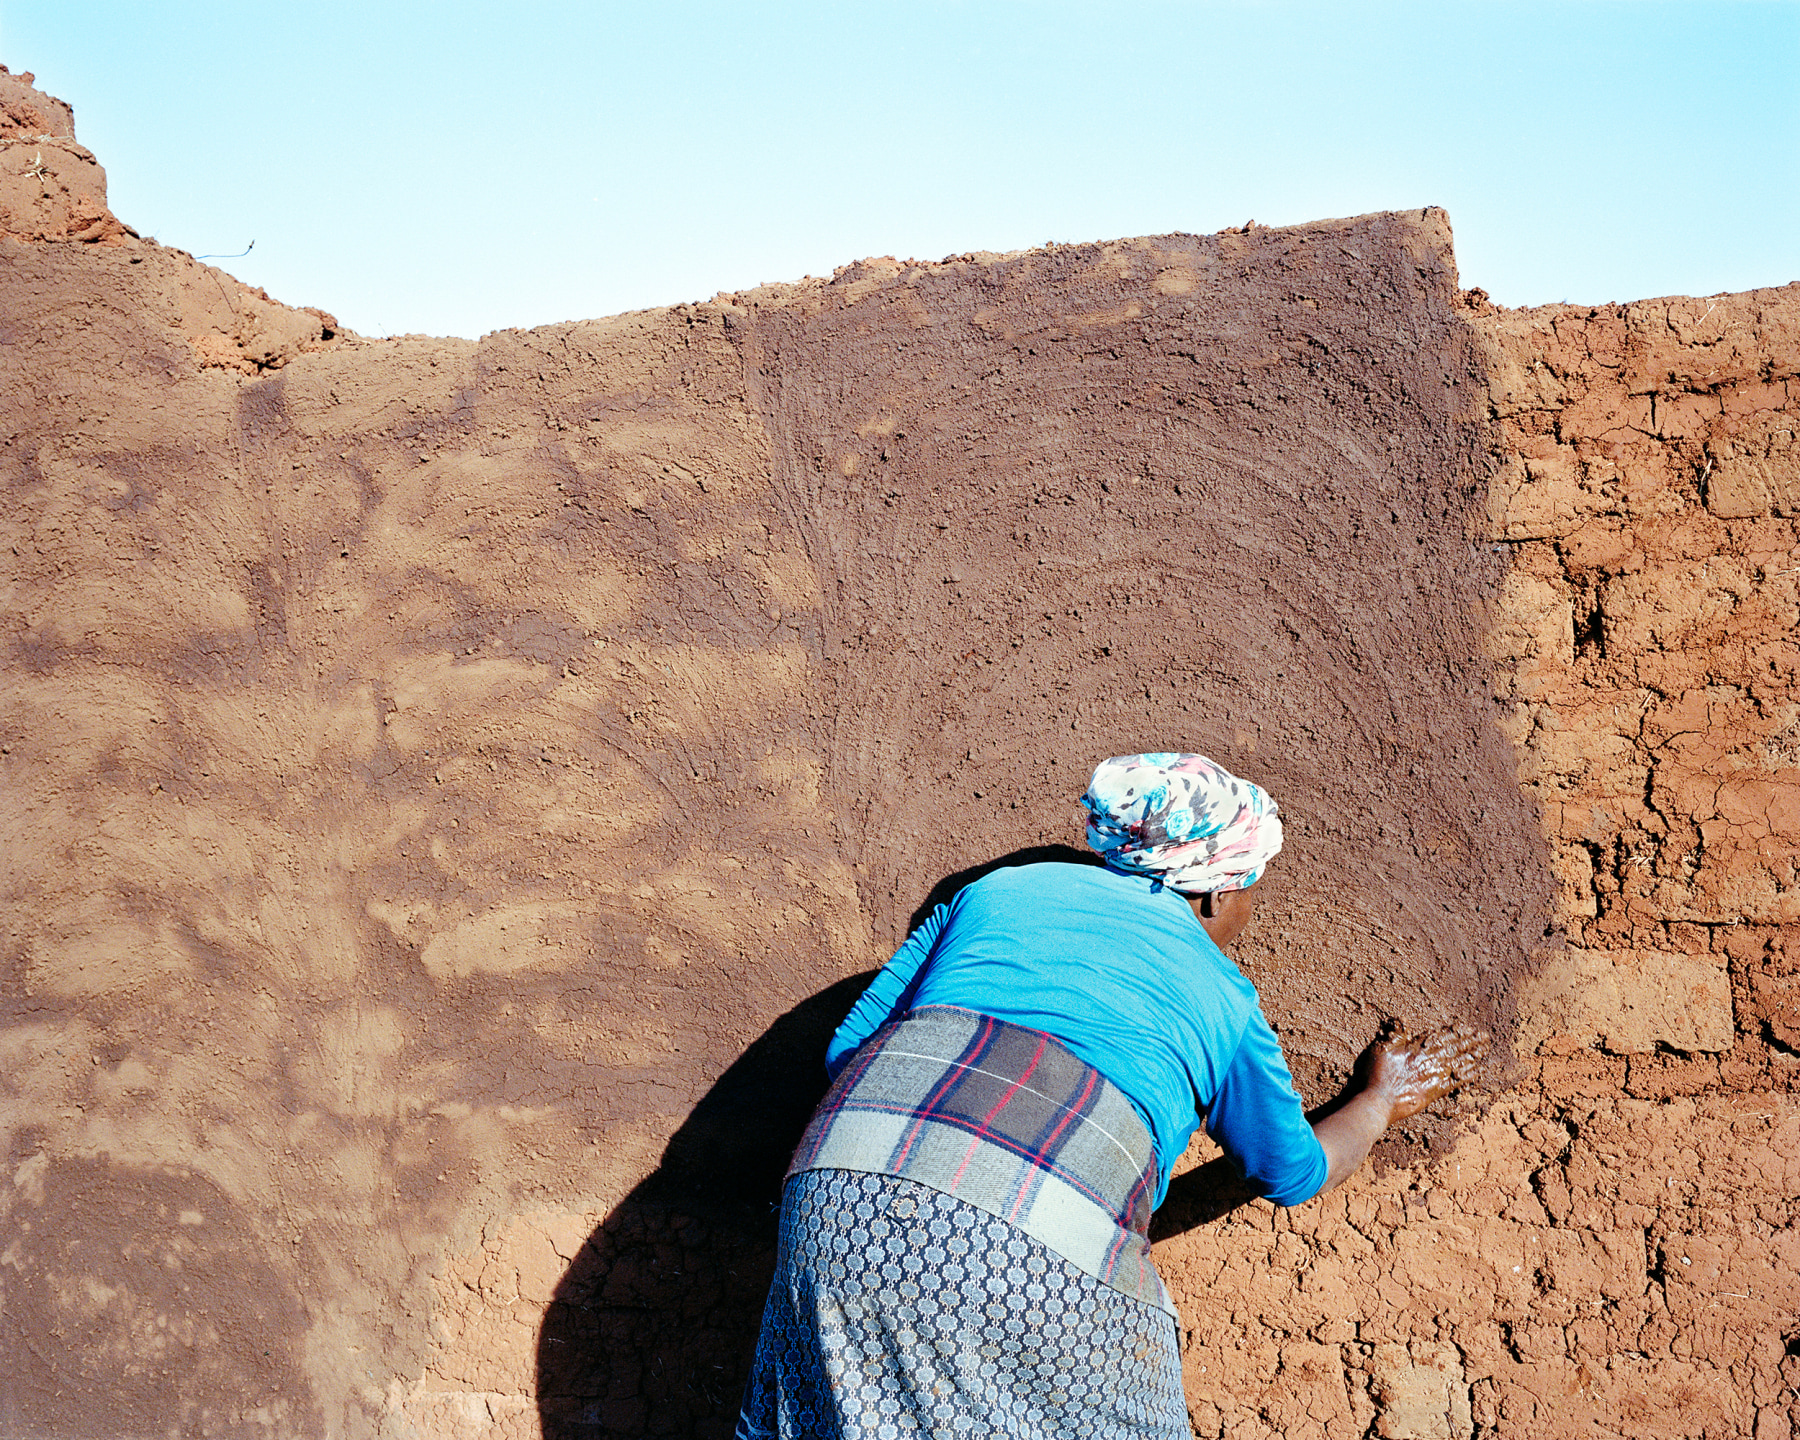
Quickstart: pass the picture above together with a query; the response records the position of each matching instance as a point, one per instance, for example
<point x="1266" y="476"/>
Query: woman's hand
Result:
<point x="1408" y="1072"/>
<point x="1401" y="1076"/>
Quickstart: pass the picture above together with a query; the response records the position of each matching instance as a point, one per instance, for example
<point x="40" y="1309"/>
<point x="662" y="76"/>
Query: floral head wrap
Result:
<point x="1181" y="819"/>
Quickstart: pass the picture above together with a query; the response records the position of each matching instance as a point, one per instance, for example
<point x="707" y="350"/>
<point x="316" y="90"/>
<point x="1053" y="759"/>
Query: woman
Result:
<point x="965" y="1225"/>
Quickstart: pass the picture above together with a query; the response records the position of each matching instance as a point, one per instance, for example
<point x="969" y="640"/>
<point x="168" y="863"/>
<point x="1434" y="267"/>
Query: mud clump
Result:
<point x="455" y="788"/>
<point x="51" y="188"/>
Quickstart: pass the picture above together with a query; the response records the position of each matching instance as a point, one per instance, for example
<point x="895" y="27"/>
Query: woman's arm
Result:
<point x="1259" y="1122"/>
<point x="888" y="992"/>
<point x="1257" y="1119"/>
<point x="1402" y="1077"/>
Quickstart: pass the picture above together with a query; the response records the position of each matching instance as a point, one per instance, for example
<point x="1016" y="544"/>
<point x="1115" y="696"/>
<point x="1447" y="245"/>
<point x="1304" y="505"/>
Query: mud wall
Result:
<point x="1610" y="1249"/>
<point x="452" y="789"/>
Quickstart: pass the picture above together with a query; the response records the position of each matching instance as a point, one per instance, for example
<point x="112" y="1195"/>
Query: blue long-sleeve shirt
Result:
<point x="1117" y="968"/>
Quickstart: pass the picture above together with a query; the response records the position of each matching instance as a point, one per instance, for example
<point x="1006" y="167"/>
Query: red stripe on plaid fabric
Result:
<point x="1070" y="1113"/>
<point x="987" y="1120"/>
<point x="972" y="1052"/>
<point x="1049" y="1167"/>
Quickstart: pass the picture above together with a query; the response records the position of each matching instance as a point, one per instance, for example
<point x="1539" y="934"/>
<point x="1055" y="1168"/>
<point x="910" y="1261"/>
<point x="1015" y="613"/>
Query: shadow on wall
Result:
<point x="652" y="1329"/>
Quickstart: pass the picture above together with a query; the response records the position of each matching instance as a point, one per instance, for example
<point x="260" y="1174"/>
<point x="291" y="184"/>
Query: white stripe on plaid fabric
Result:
<point x="1008" y="1120"/>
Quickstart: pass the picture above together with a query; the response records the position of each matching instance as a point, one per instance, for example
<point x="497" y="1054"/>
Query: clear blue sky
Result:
<point x="454" y="168"/>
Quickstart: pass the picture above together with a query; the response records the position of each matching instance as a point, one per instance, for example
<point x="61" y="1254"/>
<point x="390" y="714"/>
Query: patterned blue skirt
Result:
<point x="898" y="1310"/>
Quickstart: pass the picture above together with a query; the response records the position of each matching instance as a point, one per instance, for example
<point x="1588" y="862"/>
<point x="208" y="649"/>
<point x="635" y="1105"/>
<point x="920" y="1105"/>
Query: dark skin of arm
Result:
<point x="1400" y="1076"/>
